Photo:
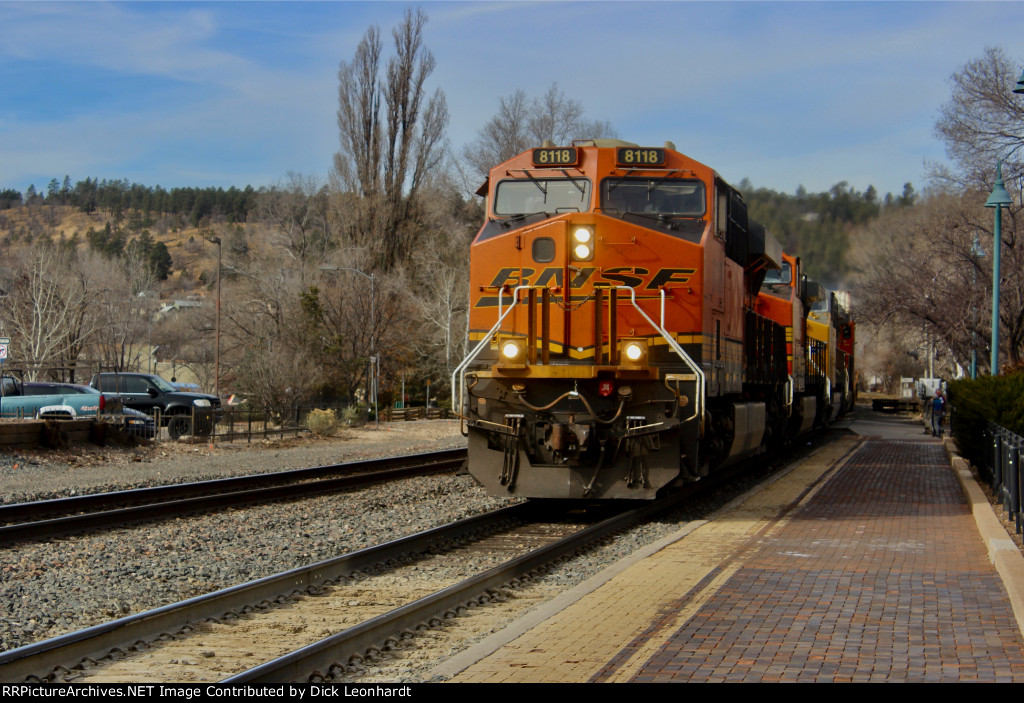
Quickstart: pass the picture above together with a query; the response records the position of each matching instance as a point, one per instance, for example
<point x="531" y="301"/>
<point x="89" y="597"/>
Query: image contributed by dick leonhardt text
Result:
<point x="316" y="691"/>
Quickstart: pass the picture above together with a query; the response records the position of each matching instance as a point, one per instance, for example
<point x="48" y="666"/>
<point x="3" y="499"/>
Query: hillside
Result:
<point x="193" y="260"/>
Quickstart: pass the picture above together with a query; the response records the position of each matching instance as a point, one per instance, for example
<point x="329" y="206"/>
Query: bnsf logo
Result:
<point x="632" y="276"/>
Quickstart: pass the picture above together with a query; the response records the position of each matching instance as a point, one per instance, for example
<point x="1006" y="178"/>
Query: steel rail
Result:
<point x="317" y="659"/>
<point x="164" y="501"/>
<point x="40" y="659"/>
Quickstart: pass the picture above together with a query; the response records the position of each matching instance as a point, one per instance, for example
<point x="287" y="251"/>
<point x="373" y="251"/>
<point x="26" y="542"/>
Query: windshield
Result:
<point x="778" y="277"/>
<point x="525" y="197"/>
<point x="32" y="388"/>
<point x="162" y="384"/>
<point x="662" y="196"/>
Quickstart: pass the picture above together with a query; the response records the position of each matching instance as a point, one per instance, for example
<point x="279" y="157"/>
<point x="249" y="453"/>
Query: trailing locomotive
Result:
<point x="632" y="329"/>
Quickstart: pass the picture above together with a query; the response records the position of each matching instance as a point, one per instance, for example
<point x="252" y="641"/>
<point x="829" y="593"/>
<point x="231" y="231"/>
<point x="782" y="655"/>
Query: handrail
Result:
<point x="674" y="345"/>
<point x="457" y="383"/>
<point x="828" y="379"/>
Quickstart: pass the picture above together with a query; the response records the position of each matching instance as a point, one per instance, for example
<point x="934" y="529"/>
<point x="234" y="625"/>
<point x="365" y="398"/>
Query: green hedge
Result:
<point x="975" y="403"/>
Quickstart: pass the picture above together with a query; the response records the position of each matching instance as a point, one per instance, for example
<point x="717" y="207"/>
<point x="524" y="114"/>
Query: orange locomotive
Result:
<point x="621" y="341"/>
<point x="820" y="345"/>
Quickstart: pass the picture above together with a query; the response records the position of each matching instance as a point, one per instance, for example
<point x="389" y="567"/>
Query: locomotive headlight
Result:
<point x="634" y="351"/>
<point x="583" y="243"/>
<point x="512" y="350"/>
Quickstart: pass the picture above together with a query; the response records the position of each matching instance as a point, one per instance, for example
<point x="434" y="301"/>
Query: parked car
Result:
<point x="132" y="421"/>
<point x="138" y="423"/>
<point x="152" y="394"/>
<point x="56" y="400"/>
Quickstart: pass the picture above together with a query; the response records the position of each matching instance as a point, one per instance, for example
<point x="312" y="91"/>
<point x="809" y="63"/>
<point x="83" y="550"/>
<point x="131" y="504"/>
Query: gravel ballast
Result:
<point x="27" y="475"/>
<point x="66" y="584"/>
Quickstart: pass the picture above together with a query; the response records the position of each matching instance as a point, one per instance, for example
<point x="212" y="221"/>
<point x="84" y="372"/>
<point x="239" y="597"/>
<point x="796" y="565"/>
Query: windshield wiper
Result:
<point x="660" y="217"/>
<point x="507" y="222"/>
<point x="543" y="188"/>
<point x="570" y="178"/>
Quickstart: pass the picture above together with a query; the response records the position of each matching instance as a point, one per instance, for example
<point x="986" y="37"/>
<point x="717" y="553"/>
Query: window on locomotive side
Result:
<point x="550" y="196"/>
<point x="658" y="196"/>
<point x="777" y="281"/>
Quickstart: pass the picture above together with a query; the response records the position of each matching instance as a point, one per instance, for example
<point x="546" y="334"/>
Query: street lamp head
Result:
<point x="1020" y="85"/>
<point x="999" y="197"/>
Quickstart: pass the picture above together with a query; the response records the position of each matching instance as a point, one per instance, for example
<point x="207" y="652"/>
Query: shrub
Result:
<point x="352" y="416"/>
<point x="975" y="403"/>
<point x="322" y="422"/>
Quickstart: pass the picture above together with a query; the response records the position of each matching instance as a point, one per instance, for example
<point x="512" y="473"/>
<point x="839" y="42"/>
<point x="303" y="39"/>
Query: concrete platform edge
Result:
<point x="1002" y="551"/>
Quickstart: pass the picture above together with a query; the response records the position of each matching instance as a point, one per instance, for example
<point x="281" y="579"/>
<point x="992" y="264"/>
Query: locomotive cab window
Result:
<point x="657" y="196"/>
<point x="539" y="195"/>
<point x="777" y="281"/>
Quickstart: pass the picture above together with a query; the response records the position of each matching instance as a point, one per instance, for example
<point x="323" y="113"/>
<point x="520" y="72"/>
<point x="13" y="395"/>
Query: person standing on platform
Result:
<point x="938" y="410"/>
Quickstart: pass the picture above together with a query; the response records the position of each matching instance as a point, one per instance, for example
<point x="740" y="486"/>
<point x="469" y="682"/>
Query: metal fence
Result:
<point x="230" y="424"/>
<point x="1002" y="469"/>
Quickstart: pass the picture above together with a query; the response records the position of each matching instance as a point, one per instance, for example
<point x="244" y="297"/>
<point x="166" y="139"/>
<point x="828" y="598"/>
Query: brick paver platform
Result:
<point x="880" y="577"/>
<point x="874" y="572"/>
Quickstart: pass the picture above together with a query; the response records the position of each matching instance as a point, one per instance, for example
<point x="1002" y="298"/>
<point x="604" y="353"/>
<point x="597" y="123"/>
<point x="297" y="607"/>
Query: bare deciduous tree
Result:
<point x="125" y="314"/>
<point x="929" y="269"/>
<point x="303" y="220"/>
<point x="384" y="162"/>
<point x="521" y="123"/>
<point x="983" y="121"/>
<point x="49" y="310"/>
<point x="437" y="292"/>
<point x="358" y="162"/>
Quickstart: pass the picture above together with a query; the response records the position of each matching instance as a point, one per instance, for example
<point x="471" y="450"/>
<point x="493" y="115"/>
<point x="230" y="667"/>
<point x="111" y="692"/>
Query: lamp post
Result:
<point x="976" y="252"/>
<point x="998" y="199"/>
<point x="375" y="362"/>
<point x="216" y="353"/>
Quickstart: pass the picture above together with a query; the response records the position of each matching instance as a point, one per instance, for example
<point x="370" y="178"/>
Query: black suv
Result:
<point x="150" y="393"/>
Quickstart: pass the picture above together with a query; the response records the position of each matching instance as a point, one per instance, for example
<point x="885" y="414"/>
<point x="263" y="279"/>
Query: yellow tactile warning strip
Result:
<point x="579" y="642"/>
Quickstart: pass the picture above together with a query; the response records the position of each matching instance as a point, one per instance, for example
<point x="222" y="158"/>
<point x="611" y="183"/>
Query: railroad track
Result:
<point x="23" y="521"/>
<point x="523" y="538"/>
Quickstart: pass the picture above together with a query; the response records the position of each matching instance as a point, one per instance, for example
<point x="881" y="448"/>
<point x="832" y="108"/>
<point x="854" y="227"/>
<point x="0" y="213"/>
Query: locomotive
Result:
<point x="632" y="329"/>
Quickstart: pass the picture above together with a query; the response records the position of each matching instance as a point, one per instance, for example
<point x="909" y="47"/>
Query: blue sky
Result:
<point x="242" y="93"/>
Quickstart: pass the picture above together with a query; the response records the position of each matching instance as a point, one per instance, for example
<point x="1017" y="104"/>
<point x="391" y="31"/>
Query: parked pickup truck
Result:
<point x="152" y="394"/>
<point x="63" y="402"/>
